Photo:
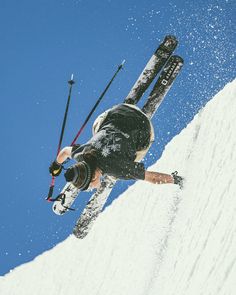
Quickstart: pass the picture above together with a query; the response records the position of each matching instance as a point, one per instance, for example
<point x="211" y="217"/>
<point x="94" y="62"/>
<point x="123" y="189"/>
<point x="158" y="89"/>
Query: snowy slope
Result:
<point x="157" y="239"/>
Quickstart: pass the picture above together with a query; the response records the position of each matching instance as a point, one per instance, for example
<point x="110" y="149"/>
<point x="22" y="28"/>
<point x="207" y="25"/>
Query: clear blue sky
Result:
<point x="42" y="43"/>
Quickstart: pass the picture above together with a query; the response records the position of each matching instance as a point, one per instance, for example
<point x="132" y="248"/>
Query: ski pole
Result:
<point x="70" y="82"/>
<point x="49" y="198"/>
<point x="97" y="103"/>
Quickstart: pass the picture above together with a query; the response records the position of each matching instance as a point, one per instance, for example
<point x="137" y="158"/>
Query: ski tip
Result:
<point x="123" y="62"/>
<point x="171" y="37"/>
<point x="177" y="58"/>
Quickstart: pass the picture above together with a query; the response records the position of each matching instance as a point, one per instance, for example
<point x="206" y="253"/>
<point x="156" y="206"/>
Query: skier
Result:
<point x="121" y="138"/>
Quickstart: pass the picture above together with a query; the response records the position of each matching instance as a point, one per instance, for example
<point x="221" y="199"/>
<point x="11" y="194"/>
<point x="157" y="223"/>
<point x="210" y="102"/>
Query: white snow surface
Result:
<point x="157" y="239"/>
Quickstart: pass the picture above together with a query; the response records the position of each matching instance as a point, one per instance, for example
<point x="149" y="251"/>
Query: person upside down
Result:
<point x="121" y="138"/>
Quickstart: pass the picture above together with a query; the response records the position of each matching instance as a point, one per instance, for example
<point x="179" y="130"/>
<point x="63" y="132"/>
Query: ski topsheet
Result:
<point x="160" y="89"/>
<point x="152" y="68"/>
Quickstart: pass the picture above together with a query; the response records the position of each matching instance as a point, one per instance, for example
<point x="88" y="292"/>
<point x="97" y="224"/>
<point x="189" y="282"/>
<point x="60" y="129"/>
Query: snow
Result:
<point x="157" y="239"/>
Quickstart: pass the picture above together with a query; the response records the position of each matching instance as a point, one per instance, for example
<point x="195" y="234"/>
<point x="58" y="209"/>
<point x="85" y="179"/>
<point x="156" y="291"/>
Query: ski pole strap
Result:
<point x="97" y="102"/>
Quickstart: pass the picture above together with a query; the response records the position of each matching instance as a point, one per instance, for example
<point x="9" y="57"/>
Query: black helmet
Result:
<point x="80" y="175"/>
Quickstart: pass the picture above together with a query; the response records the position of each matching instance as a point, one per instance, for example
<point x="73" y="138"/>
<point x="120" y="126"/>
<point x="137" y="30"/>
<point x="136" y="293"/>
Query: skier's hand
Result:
<point x="178" y="179"/>
<point x="55" y="168"/>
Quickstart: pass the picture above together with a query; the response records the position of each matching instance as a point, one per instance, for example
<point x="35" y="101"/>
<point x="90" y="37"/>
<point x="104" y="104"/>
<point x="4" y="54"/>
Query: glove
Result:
<point x="55" y="168"/>
<point x="178" y="179"/>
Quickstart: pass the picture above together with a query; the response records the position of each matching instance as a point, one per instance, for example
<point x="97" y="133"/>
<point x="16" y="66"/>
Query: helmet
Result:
<point x="80" y="175"/>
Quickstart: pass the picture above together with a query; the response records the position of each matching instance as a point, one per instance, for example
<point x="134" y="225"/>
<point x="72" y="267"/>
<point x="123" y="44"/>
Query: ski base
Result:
<point x="65" y="199"/>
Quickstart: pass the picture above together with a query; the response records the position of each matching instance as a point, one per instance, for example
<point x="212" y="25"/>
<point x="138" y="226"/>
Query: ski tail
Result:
<point x="152" y="68"/>
<point x="93" y="208"/>
<point x="163" y="85"/>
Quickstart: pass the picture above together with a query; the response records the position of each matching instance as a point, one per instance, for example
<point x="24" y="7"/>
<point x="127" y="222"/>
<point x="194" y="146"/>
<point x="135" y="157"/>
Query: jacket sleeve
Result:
<point x="129" y="170"/>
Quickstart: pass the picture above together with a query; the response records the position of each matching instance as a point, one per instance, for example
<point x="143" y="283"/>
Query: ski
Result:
<point x="152" y="68"/>
<point x="93" y="208"/>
